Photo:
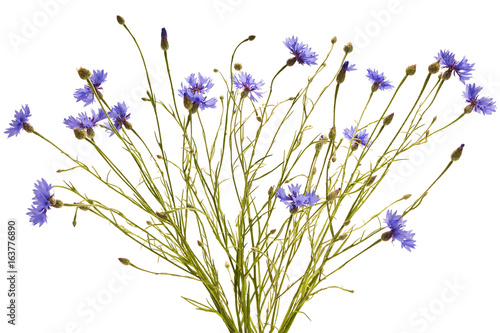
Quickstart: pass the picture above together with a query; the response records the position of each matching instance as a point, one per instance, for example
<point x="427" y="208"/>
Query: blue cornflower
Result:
<point x="20" y="122"/>
<point x="345" y="68"/>
<point x="484" y="105"/>
<point x="378" y="80"/>
<point x="249" y="86"/>
<point x="41" y="203"/>
<point x="83" y="121"/>
<point x="86" y="94"/>
<point x="120" y="117"/>
<point x="463" y="69"/>
<point x="302" y="52"/>
<point x="396" y="224"/>
<point x="295" y="200"/>
<point x="360" y="138"/>
<point x="195" y="92"/>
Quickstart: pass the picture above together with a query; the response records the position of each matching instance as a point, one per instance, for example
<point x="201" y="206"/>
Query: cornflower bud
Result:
<point x="120" y="20"/>
<point x="348" y="48"/>
<point x="410" y="70"/>
<point x="334" y="39"/>
<point x="164" y="40"/>
<point x="251" y="37"/>
<point x="80" y="133"/>
<point x="434" y="67"/>
<point x="124" y="261"/>
<point x="333" y="195"/>
<point x="83" y="73"/>
<point x="28" y="127"/>
<point x="388" y="119"/>
<point x="455" y="156"/>
<point x="406" y="196"/>
<point x="386" y="236"/>
<point x="238" y="66"/>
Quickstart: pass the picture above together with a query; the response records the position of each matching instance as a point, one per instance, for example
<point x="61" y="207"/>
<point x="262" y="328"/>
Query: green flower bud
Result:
<point x="83" y="73"/>
<point x="406" y="196"/>
<point x="371" y="180"/>
<point x="386" y="236"/>
<point x="333" y="195"/>
<point x="28" y="127"/>
<point x="124" y="261"/>
<point x="348" y="48"/>
<point x="161" y="215"/>
<point x="342" y="237"/>
<point x="187" y="102"/>
<point x="272" y="231"/>
<point x="244" y="93"/>
<point x="334" y="39"/>
<point x="332" y="134"/>
<point x="341" y="77"/>
<point x="388" y="119"/>
<point x="290" y="62"/>
<point x="434" y="67"/>
<point x="270" y="192"/>
<point x="200" y="244"/>
<point x="410" y="70"/>
<point x="346" y="223"/>
<point x="57" y="203"/>
<point x="216" y="70"/>
<point x="127" y="125"/>
<point x="84" y="208"/>
<point x="259" y="119"/>
<point x="251" y="37"/>
<point x="238" y="66"/>
<point x="226" y="264"/>
<point x="90" y="133"/>
<point x="80" y="133"/>
<point x="446" y="75"/>
<point x="455" y="156"/>
<point x="120" y="20"/>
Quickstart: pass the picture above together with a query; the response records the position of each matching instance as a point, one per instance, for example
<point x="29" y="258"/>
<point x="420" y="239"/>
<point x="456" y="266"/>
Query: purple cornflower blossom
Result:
<point x="378" y="80"/>
<point x="360" y="138"/>
<point x="196" y="90"/>
<point x="302" y="52"/>
<point x="463" y="69"/>
<point x="164" y="40"/>
<point x="83" y="121"/>
<point x="120" y="117"/>
<point x="41" y="203"/>
<point x="396" y="224"/>
<point x="295" y="200"/>
<point x="20" y="122"/>
<point x="86" y="94"/>
<point x="484" y="105"/>
<point x="249" y="86"/>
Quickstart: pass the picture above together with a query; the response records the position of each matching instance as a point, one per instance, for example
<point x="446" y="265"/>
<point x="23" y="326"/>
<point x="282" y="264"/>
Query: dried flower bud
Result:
<point x="238" y="66"/>
<point x="159" y="157"/>
<point x="348" y="48"/>
<point x="272" y="231"/>
<point x="216" y="70"/>
<point x="371" y="180"/>
<point x="124" y="261"/>
<point x="446" y="74"/>
<point x="469" y="108"/>
<point x="346" y="223"/>
<point x="455" y="156"/>
<point x="341" y="77"/>
<point x="342" y="237"/>
<point x="410" y="70"/>
<point x="200" y="244"/>
<point x="354" y="146"/>
<point x="254" y="249"/>
<point x="334" y="159"/>
<point x="149" y="223"/>
<point x="145" y="99"/>
<point x="406" y="196"/>
<point x="226" y="264"/>
<point x="120" y="20"/>
<point x="84" y="208"/>
<point x="259" y="119"/>
<point x="388" y="119"/>
<point x="80" y="133"/>
<point x="28" y="127"/>
<point x="127" y="125"/>
<point x="333" y="195"/>
<point x="83" y="73"/>
<point x="434" y="67"/>
<point x="74" y="223"/>
<point x="290" y="62"/>
<point x="314" y="170"/>
<point x="332" y="134"/>
<point x="161" y="215"/>
<point x="251" y="37"/>
<point x="386" y="236"/>
<point x="334" y="39"/>
<point x="270" y="192"/>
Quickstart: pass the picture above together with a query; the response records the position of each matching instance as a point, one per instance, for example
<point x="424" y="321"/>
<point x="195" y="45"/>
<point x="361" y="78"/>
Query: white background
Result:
<point x="448" y="284"/>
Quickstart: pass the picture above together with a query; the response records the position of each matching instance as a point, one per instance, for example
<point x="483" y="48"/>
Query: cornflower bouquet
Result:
<point x="306" y="199"/>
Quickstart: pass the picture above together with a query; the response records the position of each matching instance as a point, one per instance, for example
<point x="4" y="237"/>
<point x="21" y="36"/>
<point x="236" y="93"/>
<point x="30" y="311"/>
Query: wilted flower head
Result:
<point x="484" y="105"/>
<point x="379" y="79"/>
<point x="396" y="224"/>
<point x="295" y="200"/>
<point x="119" y="116"/>
<point x="463" y="69"/>
<point x="302" y="52"/>
<point x="246" y="82"/>
<point x="41" y="203"/>
<point x="196" y="90"/>
<point x="83" y="121"/>
<point x="86" y="94"/>
<point x="360" y="138"/>
<point x="20" y="118"/>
